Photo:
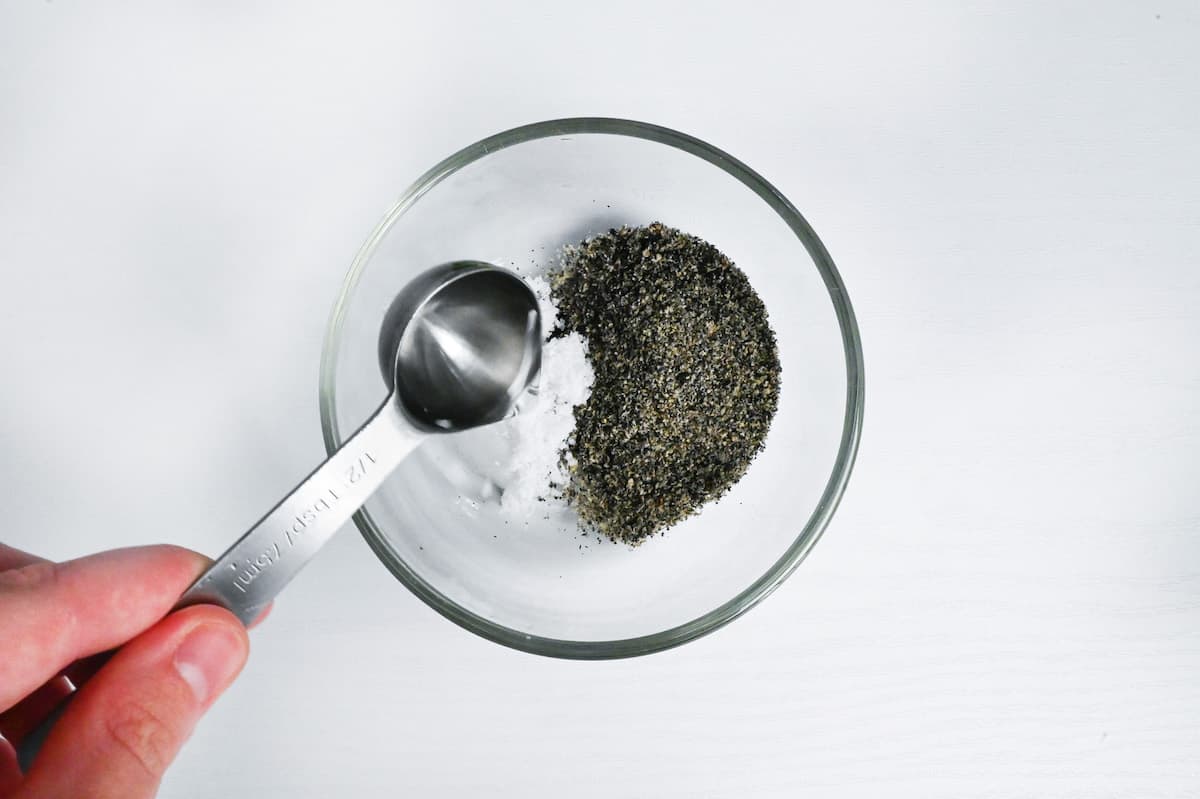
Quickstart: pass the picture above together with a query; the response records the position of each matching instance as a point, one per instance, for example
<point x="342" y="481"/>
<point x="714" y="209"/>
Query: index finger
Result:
<point x="52" y="614"/>
<point x="13" y="558"/>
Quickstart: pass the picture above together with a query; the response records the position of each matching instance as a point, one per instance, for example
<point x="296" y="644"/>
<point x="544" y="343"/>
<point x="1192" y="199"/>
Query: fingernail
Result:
<point x="208" y="658"/>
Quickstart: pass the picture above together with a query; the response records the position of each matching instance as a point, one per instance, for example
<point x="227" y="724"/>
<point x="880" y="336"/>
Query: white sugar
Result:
<point x="539" y="434"/>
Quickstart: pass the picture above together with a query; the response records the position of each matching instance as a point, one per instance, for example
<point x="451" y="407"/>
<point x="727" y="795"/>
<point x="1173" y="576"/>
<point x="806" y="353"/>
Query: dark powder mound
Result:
<point x="687" y="377"/>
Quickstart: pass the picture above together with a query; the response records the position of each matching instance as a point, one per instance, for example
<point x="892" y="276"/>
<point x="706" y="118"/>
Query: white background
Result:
<point x="1008" y="601"/>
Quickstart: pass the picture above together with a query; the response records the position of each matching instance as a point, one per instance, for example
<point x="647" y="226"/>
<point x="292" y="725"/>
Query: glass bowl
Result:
<point x="515" y="199"/>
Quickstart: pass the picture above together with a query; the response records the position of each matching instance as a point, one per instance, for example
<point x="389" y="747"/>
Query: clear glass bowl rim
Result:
<point x="834" y="488"/>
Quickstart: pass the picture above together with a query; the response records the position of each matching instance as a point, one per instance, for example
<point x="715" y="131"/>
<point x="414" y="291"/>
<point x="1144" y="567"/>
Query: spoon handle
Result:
<point x="256" y="568"/>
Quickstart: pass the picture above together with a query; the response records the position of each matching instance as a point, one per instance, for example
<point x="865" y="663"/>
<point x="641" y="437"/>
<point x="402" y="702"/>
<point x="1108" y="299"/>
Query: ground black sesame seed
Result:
<point x="686" y="377"/>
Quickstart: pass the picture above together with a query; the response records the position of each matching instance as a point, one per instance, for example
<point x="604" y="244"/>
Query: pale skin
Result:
<point x="126" y="723"/>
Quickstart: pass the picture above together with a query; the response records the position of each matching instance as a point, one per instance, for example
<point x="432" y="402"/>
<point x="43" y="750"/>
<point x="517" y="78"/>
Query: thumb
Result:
<point x="125" y="726"/>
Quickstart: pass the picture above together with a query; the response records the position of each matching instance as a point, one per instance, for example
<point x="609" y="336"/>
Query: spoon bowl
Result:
<point x="460" y="345"/>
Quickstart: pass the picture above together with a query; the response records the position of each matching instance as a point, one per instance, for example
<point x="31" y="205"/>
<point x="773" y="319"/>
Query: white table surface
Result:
<point x="1008" y="601"/>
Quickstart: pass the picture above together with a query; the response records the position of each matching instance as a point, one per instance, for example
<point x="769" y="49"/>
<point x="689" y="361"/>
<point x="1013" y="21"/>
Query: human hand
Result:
<point x="126" y="724"/>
